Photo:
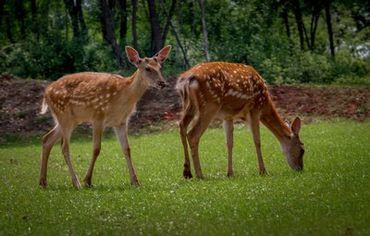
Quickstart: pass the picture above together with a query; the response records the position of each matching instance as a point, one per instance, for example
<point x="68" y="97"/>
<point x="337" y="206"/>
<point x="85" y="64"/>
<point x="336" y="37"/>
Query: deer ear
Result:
<point x="132" y="55"/>
<point x="162" y="55"/>
<point x="296" y="126"/>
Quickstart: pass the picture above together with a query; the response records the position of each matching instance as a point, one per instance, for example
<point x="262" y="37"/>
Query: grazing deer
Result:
<point x="231" y="91"/>
<point x="102" y="99"/>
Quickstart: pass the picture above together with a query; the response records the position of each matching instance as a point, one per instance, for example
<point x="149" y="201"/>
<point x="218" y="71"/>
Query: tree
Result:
<point x="329" y="27"/>
<point x="299" y="21"/>
<point x="169" y="16"/>
<point x="133" y="23"/>
<point x="123" y="21"/>
<point x="156" y="37"/>
<point x="204" y="30"/>
<point x="75" y="12"/>
<point x="107" y="26"/>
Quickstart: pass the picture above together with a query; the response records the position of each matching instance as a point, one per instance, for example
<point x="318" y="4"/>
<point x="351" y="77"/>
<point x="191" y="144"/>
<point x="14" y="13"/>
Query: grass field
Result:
<point x="331" y="196"/>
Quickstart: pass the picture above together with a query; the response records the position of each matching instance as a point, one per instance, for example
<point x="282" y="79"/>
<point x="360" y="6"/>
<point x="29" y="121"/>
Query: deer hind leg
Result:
<point x="200" y="125"/>
<point x="48" y="142"/>
<point x="254" y="121"/>
<point x="229" y="130"/>
<point x="121" y="133"/>
<point x="97" y="134"/>
<point x="184" y="123"/>
<point x="66" y="135"/>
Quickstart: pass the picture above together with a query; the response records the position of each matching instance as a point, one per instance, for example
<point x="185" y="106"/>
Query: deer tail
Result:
<point x="44" y="107"/>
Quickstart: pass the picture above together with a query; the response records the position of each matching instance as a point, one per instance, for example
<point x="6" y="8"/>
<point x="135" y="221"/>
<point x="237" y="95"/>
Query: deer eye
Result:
<point x="148" y="69"/>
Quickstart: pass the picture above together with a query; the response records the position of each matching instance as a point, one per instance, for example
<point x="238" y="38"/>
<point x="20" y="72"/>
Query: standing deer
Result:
<point x="102" y="99"/>
<point x="231" y="91"/>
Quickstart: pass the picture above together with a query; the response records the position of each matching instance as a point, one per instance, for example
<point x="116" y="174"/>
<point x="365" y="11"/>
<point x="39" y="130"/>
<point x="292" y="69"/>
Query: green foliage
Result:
<point x="55" y="57"/>
<point x="250" y="32"/>
<point x="330" y="197"/>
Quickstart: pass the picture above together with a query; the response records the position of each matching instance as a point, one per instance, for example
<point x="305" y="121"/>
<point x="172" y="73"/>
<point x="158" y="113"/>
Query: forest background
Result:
<point x="287" y="41"/>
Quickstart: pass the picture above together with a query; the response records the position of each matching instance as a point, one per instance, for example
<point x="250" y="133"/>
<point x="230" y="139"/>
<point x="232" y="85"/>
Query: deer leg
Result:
<point x="229" y="129"/>
<point x="184" y="123"/>
<point x="97" y="133"/>
<point x="194" y="135"/>
<point x="65" y="150"/>
<point x="254" y="121"/>
<point x="121" y="133"/>
<point x="48" y="142"/>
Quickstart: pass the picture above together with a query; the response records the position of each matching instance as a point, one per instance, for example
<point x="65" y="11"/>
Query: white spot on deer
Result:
<point x="194" y="84"/>
<point x="231" y="92"/>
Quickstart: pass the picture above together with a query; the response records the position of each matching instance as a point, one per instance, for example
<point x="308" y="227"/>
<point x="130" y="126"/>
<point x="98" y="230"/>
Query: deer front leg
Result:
<point x="48" y="142"/>
<point x="254" y="121"/>
<point x="229" y="130"/>
<point x="121" y="133"/>
<point x="97" y="133"/>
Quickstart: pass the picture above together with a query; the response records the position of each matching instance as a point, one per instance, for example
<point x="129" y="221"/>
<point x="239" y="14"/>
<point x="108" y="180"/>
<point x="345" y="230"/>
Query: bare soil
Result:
<point x="20" y="101"/>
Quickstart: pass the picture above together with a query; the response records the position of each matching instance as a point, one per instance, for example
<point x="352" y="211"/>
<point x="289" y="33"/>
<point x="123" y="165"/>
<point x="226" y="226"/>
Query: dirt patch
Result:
<point x="20" y="102"/>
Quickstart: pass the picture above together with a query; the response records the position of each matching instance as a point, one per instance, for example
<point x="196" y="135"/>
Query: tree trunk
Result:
<point x="70" y="6"/>
<point x="284" y="15"/>
<point x="204" y="29"/>
<point x="107" y="24"/>
<point x="20" y="14"/>
<point x="168" y="21"/>
<point x="75" y="12"/>
<point x="156" y="38"/>
<point x="34" y="24"/>
<point x="316" y="9"/>
<point x="2" y="2"/>
<point x="81" y="20"/>
<point x="299" y="21"/>
<point x="192" y="13"/>
<point x="9" y="28"/>
<point x="133" y="24"/>
<point x="123" y="21"/>
<point x="329" y="26"/>
<point x="186" y="61"/>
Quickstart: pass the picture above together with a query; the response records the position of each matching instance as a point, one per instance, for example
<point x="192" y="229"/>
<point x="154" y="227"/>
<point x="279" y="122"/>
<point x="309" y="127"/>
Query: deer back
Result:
<point x="231" y="86"/>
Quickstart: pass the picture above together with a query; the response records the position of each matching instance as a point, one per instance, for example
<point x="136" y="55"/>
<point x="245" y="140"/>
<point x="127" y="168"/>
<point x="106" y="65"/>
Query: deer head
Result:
<point x="149" y="68"/>
<point x="295" y="149"/>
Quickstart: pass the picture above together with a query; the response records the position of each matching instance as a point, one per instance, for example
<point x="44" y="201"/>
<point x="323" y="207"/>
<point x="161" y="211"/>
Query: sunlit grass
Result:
<point x="331" y="196"/>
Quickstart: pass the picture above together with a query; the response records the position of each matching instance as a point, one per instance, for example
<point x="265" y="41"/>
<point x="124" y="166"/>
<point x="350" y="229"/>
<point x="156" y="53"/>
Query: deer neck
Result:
<point x="136" y="87"/>
<point x="273" y="121"/>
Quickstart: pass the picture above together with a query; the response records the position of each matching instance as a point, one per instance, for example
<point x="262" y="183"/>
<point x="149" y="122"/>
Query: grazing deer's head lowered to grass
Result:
<point x="102" y="99"/>
<point x="231" y="91"/>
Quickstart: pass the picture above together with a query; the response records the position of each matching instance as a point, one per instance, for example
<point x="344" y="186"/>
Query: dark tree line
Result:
<point x="200" y="30"/>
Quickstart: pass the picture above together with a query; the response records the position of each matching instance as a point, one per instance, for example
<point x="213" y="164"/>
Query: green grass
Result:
<point x="331" y="196"/>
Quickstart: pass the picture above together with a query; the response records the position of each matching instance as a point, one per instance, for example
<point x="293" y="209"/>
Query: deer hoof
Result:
<point x="230" y="174"/>
<point x="263" y="172"/>
<point x="43" y="183"/>
<point x="87" y="183"/>
<point x="76" y="184"/>
<point x="135" y="182"/>
<point x="187" y="174"/>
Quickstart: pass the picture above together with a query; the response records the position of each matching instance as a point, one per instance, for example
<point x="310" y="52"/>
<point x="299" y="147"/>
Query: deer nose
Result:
<point x="161" y="84"/>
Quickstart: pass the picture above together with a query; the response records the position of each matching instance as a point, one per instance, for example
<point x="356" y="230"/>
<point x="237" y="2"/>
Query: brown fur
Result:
<point x="228" y="91"/>
<point x="102" y="99"/>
